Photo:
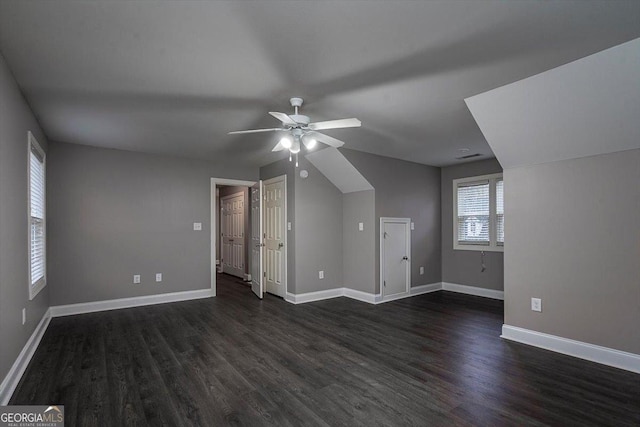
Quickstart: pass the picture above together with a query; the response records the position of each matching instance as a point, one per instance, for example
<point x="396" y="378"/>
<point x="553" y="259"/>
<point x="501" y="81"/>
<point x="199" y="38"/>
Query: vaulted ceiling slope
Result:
<point x="588" y="107"/>
<point x="174" y="77"/>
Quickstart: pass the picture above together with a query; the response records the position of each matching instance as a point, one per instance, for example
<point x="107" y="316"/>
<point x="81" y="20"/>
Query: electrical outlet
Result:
<point x="24" y="316"/>
<point x="321" y="274"/>
<point x="136" y="278"/>
<point x="158" y="277"/>
<point x="197" y="226"/>
<point x="536" y="304"/>
<point x="421" y="270"/>
<point x="360" y="226"/>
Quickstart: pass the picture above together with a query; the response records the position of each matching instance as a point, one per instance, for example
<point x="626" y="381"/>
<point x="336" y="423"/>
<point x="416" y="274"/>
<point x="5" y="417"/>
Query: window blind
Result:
<point x="473" y="213"/>
<point x="500" y="211"/>
<point x="37" y="223"/>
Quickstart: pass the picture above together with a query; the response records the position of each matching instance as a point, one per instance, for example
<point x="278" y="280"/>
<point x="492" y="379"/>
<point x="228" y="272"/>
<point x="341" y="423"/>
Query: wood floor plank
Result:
<point x="434" y="359"/>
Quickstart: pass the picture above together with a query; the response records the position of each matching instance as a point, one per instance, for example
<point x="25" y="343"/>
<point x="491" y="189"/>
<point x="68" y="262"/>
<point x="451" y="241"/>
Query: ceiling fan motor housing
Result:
<point x="300" y="119"/>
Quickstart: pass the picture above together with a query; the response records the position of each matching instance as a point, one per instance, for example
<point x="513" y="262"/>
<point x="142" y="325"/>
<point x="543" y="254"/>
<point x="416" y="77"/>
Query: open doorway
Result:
<point x="240" y="247"/>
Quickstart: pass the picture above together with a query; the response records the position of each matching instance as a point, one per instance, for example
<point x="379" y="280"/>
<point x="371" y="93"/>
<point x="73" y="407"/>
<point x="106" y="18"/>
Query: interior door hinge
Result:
<point x="264" y="274"/>
<point x="385" y="283"/>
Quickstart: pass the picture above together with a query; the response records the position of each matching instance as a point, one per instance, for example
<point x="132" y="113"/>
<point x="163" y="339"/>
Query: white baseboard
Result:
<point x="114" y="304"/>
<point x="313" y="296"/>
<point x="582" y="350"/>
<point x="10" y="382"/>
<point x="359" y="295"/>
<point x="472" y="290"/>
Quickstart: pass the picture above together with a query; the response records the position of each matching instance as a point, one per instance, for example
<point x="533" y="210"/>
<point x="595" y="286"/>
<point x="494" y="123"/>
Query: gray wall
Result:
<point x="573" y="239"/>
<point x="459" y="266"/>
<point x="406" y="190"/>
<point x="359" y="247"/>
<point x="227" y="190"/>
<point x="16" y="119"/>
<point x="113" y="214"/>
<point x="272" y="170"/>
<point x="318" y="231"/>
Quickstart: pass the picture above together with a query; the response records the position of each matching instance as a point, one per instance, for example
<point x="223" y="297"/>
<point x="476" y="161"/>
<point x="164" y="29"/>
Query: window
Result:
<point x="478" y="213"/>
<point x="37" y="218"/>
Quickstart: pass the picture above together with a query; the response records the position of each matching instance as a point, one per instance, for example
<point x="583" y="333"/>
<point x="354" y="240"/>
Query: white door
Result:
<point x="232" y="229"/>
<point x="257" y="244"/>
<point x="274" y="236"/>
<point x="395" y="255"/>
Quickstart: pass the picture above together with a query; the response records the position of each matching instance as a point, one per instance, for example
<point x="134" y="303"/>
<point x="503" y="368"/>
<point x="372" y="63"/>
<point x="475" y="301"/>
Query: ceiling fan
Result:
<point x="301" y="130"/>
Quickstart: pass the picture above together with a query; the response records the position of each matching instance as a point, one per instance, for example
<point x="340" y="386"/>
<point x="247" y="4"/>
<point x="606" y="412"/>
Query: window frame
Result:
<point x="33" y="145"/>
<point x="493" y="245"/>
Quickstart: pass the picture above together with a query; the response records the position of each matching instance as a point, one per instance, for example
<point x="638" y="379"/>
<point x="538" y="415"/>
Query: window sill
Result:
<point x="477" y="248"/>
<point x="35" y="289"/>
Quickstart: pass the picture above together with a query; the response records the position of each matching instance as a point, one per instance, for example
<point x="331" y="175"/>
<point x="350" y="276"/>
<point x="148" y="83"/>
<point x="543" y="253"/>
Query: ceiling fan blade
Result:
<point x="285" y="119"/>
<point x="236" y="132"/>
<point x="325" y="139"/>
<point x="336" y="124"/>
<point x="278" y="147"/>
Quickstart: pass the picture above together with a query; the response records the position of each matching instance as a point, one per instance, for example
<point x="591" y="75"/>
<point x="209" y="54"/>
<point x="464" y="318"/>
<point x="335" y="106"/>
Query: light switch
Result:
<point x="413" y="226"/>
<point x="360" y="226"/>
<point x="289" y="226"/>
<point x="197" y="226"/>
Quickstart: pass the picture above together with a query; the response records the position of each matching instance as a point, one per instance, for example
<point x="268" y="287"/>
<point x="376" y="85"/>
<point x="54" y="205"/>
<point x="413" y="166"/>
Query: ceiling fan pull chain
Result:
<point x="289" y="155"/>
<point x="296" y="159"/>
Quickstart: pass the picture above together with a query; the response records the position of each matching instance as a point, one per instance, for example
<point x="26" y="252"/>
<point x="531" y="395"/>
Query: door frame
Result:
<point x="407" y="223"/>
<point x="285" y="228"/>
<point x="214" y="215"/>
<point x="244" y="244"/>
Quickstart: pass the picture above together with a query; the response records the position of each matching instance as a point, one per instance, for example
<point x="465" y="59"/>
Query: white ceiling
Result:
<point x="174" y="77"/>
<point x="335" y="166"/>
<point x="588" y="107"/>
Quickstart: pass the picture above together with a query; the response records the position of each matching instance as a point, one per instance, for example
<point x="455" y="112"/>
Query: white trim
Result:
<point x="215" y="182"/>
<point x="407" y="223"/>
<point x="413" y="291"/>
<point x="314" y="296"/>
<point x="12" y="379"/>
<point x="492" y="245"/>
<point x="594" y="353"/>
<point x="359" y="295"/>
<point x="472" y="290"/>
<point x="425" y="289"/>
<point x="114" y="304"/>
<point x="291" y="298"/>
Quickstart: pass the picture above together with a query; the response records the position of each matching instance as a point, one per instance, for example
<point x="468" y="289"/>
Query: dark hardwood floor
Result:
<point x="434" y="360"/>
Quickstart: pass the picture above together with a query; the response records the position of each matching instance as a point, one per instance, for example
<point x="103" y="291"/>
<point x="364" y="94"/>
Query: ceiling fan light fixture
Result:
<point x="295" y="147"/>
<point x="285" y="142"/>
<point x="310" y="143"/>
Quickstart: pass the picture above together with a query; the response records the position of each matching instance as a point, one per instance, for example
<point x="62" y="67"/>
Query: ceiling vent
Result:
<point x="468" y="156"/>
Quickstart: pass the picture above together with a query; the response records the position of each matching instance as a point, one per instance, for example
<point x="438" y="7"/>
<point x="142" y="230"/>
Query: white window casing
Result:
<point x="478" y="213"/>
<point x="37" y="217"/>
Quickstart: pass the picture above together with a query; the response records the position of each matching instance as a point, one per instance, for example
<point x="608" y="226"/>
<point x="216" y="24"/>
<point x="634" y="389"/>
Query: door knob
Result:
<point x="405" y="258"/>
<point x="280" y="245"/>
